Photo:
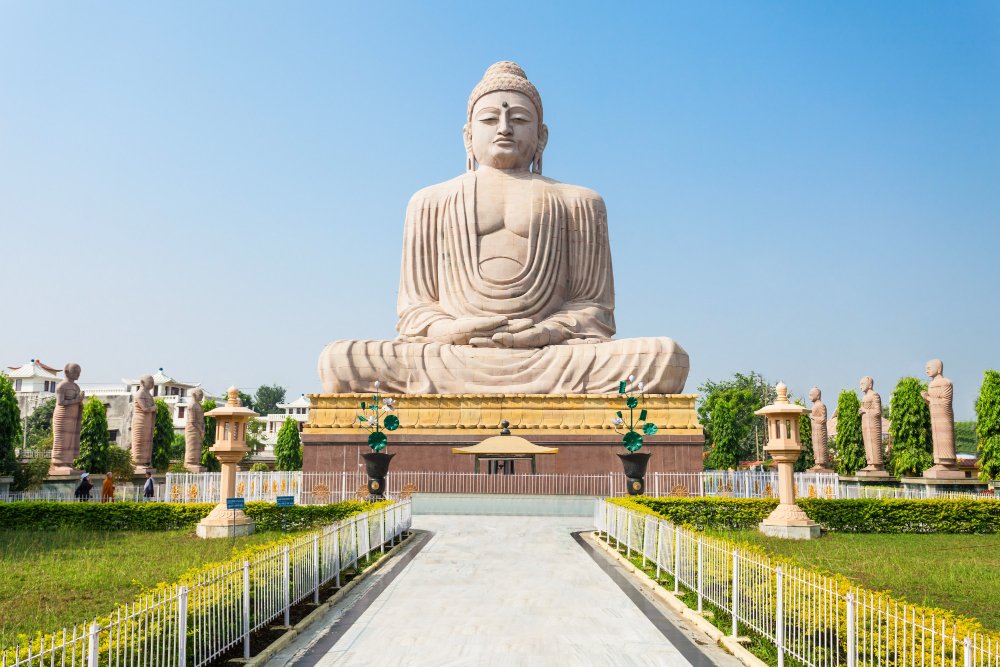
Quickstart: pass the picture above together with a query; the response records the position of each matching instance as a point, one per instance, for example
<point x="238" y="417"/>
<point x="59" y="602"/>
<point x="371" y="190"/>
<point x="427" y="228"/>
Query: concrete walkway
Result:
<point x="497" y="590"/>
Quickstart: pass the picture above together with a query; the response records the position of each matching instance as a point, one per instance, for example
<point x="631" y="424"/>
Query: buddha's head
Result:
<point x="504" y="127"/>
<point x="146" y="381"/>
<point x="72" y="372"/>
<point x="197" y="395"/>
<point x="867" y="383"/>
<point x="815" y="394"/>
<point x="934" y="368"/>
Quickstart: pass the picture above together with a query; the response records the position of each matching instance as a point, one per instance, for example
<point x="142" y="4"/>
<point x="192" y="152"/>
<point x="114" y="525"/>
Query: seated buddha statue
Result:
<point x="506" y="283"/>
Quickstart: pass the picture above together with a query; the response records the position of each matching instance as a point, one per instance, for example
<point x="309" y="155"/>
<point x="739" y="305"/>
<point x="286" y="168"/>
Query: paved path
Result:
<point x="498" y="591"/>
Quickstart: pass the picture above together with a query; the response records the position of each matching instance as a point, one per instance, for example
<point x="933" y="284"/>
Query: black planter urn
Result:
<point x="377" y="466"/>
<point x="635" y="471"/>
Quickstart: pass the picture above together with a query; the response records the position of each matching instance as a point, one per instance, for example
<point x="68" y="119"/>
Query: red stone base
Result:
<point x="578" y="454"/>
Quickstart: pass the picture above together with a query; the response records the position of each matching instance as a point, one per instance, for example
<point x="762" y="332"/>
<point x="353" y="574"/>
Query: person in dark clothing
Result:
<point x="148" y="489"/>
<point x="83" y="491"/>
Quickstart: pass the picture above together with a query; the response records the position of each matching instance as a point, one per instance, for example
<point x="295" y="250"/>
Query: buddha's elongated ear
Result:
<point x="543" y="139"/>
<point x="470" y="159"/>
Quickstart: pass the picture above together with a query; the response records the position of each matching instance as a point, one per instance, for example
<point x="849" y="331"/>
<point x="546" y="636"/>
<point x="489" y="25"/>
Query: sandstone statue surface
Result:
<point x="67" y="420"/>
<point x="506" y="283"/>
<point x="143" y="420"/>
<point x="817" y="417"/>
<point x="194" y="432"/>
<point x="939" y="396"/>
<point x="871" y="426"/>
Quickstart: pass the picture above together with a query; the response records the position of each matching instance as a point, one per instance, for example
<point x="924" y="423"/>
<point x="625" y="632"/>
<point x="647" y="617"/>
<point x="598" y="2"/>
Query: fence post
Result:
<point x="677" y="559"/>
<point x="701" y="567"/>
<point x="182" y="618"/>
<point x="382" y="518"/>
<point x="736" y="593"/>
<point x="93" y="642"/>
<point x="286" y="589"/>
<point x="316" y="572"/>
<point x="659" y="539"/>
<point x="336" y="551"/>
<point x="628" y="535"/>
<point x="779" y="621"/>
<point x="246" y="610"/>
<point x="851" y="639"/>
<point x="967" y="652"/>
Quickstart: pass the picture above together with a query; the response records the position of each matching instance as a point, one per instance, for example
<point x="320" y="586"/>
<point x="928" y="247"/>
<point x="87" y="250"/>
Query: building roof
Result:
<point x="160" y="378"/>
<point x="34" y="368"/>
<point x="505" y="444"/>
<point x="300" y="402"/>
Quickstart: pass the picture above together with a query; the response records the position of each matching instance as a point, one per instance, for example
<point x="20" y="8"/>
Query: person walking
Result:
<point x="108" y="489"/>
<point x="149" y="488"/>
<point x="82" y="492"/>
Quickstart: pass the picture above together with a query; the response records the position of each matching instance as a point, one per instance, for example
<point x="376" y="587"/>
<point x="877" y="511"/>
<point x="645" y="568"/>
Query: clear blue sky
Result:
<point x="809" y="190"/>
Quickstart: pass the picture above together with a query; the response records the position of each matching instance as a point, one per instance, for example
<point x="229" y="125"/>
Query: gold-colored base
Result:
<point x="528" y="414"/>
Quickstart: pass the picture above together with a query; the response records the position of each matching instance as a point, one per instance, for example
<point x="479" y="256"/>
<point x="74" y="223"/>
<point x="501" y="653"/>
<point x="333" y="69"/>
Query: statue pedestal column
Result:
<point x="945" y="470"/>
<point x="230" y="447"/>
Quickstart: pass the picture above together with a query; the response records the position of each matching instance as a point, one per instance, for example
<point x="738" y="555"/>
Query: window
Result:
<point x="156" y="391"/>
<point x="17" y="385"/>
<point x="180" y="412"/>
<point x="107" y="407"/>
<point x="113" y="435"/>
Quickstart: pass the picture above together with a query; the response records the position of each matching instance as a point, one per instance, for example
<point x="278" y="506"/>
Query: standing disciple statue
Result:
<point x="817" y="417"/>
<point x="939" y="398"/>
<point x="871" y="426"/>
<point x="194" y="432"/>
<point x="66" y="423"/>
<point x="143" y="420"/>
<point x="506" y="281"/>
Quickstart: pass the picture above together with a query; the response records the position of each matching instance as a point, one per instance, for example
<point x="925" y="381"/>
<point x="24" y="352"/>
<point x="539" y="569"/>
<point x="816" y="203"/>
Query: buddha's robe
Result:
<point x="566" y="282"/>
<point x="940" y="393"/>
<point x="871" y="427"/>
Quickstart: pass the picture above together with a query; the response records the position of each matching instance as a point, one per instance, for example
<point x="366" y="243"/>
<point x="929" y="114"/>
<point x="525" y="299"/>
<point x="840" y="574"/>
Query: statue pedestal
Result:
<point x="873" y="473"/>
<point x="931" y="486"/>
<point x="221" y="522"/>
<point x="64" y="471"/>
<point x="821" y="469"/>
<point x="195" y="469"/>
<point x="789" y="522"/>
<point x="946" y="471"/>
<point x="431" y="425"/>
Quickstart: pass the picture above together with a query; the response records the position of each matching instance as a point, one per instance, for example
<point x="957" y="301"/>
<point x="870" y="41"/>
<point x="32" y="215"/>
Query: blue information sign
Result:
<point x="235" y="504"/>
<point x="285" y="501"/>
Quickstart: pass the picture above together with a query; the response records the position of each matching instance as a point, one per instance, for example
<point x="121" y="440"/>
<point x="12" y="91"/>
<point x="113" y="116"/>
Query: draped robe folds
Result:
<point x="871" y="427"/>
<point x="566" y="283"/>
<point x="942" y="421"/>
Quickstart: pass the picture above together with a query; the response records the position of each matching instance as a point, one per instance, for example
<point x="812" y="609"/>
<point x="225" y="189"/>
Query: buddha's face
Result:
<point x="146" y="381"/>
<point x="866" y="383"/>
<point x="504" y="130"/>
<point x="934" y="368"/>
<point x="814" y="394"/>
<point x="197" y="395"/>
<point x="72" y="372"/>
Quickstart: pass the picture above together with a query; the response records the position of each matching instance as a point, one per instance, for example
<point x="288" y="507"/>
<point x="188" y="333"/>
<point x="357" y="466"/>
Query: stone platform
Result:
<point x="432" y="424"/>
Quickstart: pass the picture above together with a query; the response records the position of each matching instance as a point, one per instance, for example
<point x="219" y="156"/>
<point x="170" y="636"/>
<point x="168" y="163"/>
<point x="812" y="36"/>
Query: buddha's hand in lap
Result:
<point x="539" y="335"/>
<point x="473" y="330"/>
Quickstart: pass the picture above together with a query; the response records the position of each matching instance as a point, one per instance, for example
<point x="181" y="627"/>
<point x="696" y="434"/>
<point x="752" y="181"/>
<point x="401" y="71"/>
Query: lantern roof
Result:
<point x="781" y="405"/>
<point x="232" y="408"/>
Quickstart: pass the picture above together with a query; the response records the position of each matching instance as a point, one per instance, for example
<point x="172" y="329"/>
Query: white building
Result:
<point x="297" y="410"/>
<point x="176" y="394"/>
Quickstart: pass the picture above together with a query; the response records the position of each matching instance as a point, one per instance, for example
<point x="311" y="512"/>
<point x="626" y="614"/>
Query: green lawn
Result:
<point x="960" y="573"/>
<point x="51" y="579"/>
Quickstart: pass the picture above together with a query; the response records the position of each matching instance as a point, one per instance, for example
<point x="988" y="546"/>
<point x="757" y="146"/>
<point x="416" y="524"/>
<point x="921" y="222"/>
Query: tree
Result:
<point x="988" y="426"/>
<point x="910" y="429"/>
<point x="267" y="398"/>
<point x="93" y="437"/>
<point x="745" y="393"/>
<point x="120" y="463"/>
<point x="728" y="433"/>
<point x="208" y="458"/>
<point x="177" y="447"/>
<point x="255" y="437"/>
<point x="10" y="428"/>
<point x="288" y="450"/>
<point x="807" y="459"/>
<point x="849" y="445"/>
<point x="39" y="424"/>
<point x="163" y="436"/>
<point x="246" y="400"/>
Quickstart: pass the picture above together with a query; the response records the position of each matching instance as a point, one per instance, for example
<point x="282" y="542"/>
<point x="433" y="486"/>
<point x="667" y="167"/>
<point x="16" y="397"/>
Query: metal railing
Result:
<point x="812" y="618"/>
<point x="209" y="615"/>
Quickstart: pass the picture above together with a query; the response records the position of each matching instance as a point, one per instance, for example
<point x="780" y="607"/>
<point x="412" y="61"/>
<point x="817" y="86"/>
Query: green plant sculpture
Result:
<point x="632" y="438"/>
<point x="375" y="422"/>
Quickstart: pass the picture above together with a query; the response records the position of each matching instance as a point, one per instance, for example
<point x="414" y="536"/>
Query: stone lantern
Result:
<point x="783" y="444"/>
<point x="230" y="447"/>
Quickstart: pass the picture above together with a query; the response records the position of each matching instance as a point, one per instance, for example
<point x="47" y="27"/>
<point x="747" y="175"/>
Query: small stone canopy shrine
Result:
<point x="505" y="449"/>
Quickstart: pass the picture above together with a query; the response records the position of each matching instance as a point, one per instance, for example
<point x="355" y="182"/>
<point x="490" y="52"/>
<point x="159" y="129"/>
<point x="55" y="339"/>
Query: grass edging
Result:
<point x="324" y="608"/>
<point x="734" y="646"/>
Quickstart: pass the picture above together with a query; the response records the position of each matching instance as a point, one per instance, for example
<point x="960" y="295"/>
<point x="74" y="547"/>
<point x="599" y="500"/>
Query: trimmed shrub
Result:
<point x="864" y="515"/>
<point x="288" y="449"/>
<point x="10" y="427"/>
<point x="93" y="437"/>
<point x="162" y="516"/>
<point x="988" y="426"/>
<point x="163" y="436"/>
<point x="849" y="444"/>
<point x="727" y="434"/>
<point x="910" y="429"/>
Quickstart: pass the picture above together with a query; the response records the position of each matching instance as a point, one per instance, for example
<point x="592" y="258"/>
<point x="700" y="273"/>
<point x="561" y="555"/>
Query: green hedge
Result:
<point x="161" y="516"/>
<point x="868" y="515"/>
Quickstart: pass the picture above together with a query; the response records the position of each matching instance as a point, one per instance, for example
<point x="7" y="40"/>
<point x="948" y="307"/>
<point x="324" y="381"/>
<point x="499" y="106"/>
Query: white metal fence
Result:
<point x="199" y="620"/>
<point x="807" y="616"/>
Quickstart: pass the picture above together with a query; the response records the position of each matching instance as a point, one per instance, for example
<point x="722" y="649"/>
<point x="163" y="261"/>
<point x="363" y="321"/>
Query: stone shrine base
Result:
<point x="222" y="522"/>
<point x="871" y="473"/>
<point x="947" y="472"/>
<point x="432" y="424"/>
<point x="932" y="486"/>
<point x="789" y="522"/>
